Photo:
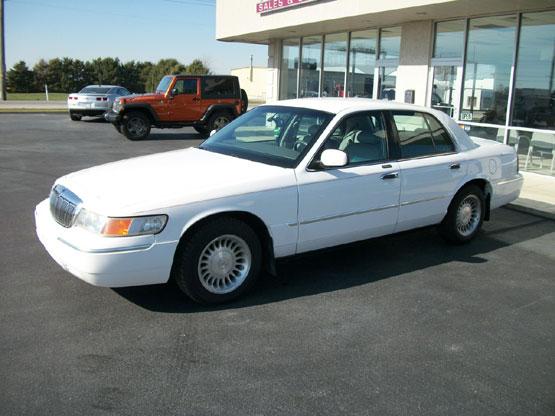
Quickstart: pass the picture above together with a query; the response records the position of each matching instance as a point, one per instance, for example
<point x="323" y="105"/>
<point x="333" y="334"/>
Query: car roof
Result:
<point x="104" y="86"/>
<point x="337" y="105"/>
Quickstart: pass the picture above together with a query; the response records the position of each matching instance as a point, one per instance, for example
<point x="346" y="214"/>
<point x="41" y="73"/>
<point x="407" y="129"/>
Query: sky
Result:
<point x="140" y="30"/>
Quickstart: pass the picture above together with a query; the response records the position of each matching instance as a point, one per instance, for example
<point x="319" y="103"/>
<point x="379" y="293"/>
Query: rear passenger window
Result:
<point x="421" y="135"/>
<point x="219" y="87"/>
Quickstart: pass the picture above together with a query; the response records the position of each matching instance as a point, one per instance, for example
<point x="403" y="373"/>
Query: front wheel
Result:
<point x="219" y="262"/>
<point x="136" y="126"/>
<point x="465" y="216"/>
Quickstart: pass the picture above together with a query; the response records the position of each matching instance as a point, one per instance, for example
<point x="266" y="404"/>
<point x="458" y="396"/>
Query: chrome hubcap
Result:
<point x="136" y="126"/>
<point x="224" y="264"/>
<point x="468" y="215"/>
<point x="220" y="122"/>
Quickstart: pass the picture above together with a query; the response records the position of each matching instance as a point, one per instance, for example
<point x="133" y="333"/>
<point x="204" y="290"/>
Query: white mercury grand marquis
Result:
<point x="282" y="179"/>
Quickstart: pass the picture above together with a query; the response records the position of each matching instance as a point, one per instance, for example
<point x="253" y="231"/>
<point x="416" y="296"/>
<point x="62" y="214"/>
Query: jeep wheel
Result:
<point x="218" y="120"/>
<point x="136" y="126"/>
<point x="74" y="117"/>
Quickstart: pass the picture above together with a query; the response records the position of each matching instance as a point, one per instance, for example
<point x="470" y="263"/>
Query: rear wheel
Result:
<point x="203" y="131"/>
<point x="219" y="262"/>
<point x="136" y="126"/>
<point x="75" y="117"/>
<point x="218" y="120"/>
<point x="465" y="215"/>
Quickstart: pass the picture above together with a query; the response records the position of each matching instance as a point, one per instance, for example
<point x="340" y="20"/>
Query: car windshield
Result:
<point x="164" y="84"/>
<point x="275" y="135"/>
<point x="94" y="90"/>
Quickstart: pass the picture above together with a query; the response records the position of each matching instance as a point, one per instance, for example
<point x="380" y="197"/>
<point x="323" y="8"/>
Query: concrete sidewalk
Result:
<point x="537" y="195"/>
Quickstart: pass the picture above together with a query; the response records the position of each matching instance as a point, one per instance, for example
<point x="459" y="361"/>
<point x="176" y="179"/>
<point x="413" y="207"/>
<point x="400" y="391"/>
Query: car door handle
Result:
<point x="196" y="99"/>
<point x="392" y="175"/>
<point x="455" y="166"/>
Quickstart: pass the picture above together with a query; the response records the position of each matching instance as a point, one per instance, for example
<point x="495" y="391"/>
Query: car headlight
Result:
<point x="117" y="106"/>
<point x="120" y="227"/>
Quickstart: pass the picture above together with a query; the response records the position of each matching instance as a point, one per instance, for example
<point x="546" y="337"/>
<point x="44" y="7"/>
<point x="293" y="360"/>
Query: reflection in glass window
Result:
<point x="289" y="66"/>
<point x="335" y="61"/>
<point x="534" y="100"/>
<point x="362" y="61"/>
<point x="448" y="45"/>
<point x="490" y="133"/>
<point x="390" y="43"/>
<point x="449" y="42"/>
<point x="388" y="80"/>
<point x="311" y="66"/>
<point x="536" y="151"/>
<point x="420" y="135"/>
<point x="489" y="58"/>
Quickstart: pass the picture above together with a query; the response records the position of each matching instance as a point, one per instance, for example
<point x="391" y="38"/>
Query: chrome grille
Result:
<point x="64" y="205"/>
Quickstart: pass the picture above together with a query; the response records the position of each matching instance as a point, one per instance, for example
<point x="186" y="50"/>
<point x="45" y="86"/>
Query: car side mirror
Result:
<point x="174" y="92"/>
<point x="213" y="132"/>
<point x="333" y="158"/>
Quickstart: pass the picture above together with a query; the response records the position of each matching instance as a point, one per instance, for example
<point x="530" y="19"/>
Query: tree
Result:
<point x="197" y="67"/>
<point x="40" y="75"/>
<point x="20" y="78"/>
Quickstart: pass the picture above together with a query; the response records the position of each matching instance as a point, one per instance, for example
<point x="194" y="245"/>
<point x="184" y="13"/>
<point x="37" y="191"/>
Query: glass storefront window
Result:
<point x="449" y="41"/>
<point x="288" y="69"/>
<point x="489" y="58"/>
<point x="335" y="63"/>
<point x="534" y="97"/>
<point x="490" y="133"/>
<point x="390" y="50"/>
<point x="447" y="70"/>
<point x="390" y="43"/>
<point x="311" y="66"/>
<point x="362" y="62"/>
<point x="536" y="151"/>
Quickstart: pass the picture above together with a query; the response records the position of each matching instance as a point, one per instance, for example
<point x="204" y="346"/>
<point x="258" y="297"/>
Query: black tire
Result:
<point x="465" y="216"/>
<point x="244" y="101"/>
<point x="188" y="262"/>
<point x="203" y="131"/>
<point x="218" y="120"/>
<point x="75" y="117"/>
<point x="135" y="126"/>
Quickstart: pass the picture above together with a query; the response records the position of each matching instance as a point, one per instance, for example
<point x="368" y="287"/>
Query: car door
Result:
<point x="430" y="168"/>
<point x="354" y="202"/>
<point x="184" y="101"/>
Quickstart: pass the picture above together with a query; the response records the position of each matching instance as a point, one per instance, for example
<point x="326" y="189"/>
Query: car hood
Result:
<point x="148" y="183"/>
<point x="142" y="97"/>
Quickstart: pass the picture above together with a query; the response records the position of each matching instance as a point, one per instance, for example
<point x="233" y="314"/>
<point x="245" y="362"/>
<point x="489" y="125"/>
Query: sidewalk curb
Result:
<point x="537" y="208"/>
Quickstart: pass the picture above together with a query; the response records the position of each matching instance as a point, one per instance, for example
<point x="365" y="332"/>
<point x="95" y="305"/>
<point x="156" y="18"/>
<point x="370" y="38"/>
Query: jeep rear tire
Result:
<point x="136" y="125"/>
<point x="218" y="120"/>
<point x="203" y="131"/>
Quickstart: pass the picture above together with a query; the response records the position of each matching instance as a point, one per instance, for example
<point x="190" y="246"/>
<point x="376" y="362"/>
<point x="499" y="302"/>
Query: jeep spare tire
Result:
<point x="244" y="101"/>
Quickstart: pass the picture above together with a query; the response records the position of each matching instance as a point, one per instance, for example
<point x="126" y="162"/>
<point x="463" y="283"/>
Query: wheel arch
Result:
<point x="486" y="188"/>
<point x="143" y="108"/>
<point x="252" y="220"/>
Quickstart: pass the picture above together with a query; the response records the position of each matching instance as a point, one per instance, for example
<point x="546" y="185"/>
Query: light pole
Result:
<point x="2" y="55"/>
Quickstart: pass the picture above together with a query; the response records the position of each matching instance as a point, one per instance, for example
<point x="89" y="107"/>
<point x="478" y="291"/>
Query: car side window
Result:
<point x="186" y="86"/>
<point x="420" y="135"/>
<point x="123" y="91"/>
<point x="363" y="137"/>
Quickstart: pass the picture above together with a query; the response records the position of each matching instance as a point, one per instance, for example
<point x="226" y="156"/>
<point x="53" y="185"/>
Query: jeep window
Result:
<point x="186" y="86"/>
<point x="275" y="135"/>
<point x="164" y="84"/>
<point x="219" y="87"/>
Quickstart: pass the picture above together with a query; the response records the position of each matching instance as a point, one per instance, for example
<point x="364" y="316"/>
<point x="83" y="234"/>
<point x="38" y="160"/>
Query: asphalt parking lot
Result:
<point x="401" y="325"/>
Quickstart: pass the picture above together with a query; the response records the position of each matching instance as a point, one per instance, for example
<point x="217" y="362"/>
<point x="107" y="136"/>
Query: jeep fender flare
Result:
<point x="141" y="107"/>
<point x="214" y="108"/>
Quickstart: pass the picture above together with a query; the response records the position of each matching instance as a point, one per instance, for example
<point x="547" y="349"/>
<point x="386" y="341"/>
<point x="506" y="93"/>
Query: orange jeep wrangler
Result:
<point x="205" y="102"/>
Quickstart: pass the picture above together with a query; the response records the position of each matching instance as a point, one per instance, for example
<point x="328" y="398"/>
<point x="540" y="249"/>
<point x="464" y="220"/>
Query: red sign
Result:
<point x="271" y="5"/>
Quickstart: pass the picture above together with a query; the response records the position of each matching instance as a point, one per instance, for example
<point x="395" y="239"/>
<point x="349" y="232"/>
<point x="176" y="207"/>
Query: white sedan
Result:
<point x="282" y="179"/>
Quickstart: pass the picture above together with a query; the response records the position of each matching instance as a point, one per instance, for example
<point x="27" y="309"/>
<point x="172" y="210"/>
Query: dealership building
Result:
<point x="490" y="64"/>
